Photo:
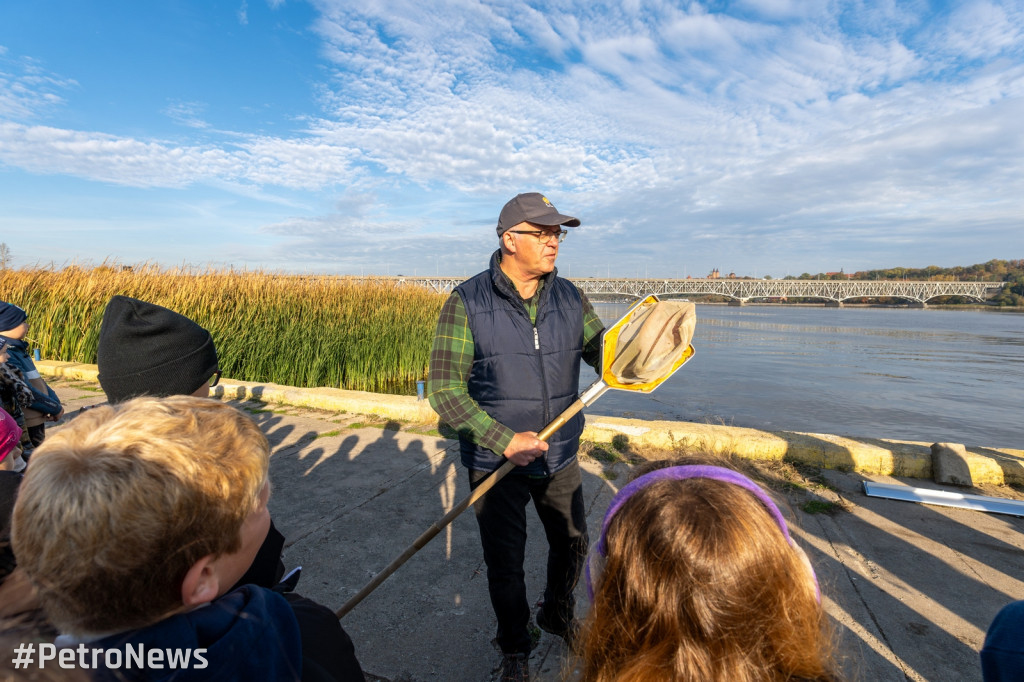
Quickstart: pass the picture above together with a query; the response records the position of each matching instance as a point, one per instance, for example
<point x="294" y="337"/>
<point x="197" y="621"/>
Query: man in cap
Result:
<point x="504" y="363"/>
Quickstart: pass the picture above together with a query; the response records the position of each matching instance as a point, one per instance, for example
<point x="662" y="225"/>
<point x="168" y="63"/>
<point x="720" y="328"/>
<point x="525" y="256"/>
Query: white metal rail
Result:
<point x="744" y="290"/>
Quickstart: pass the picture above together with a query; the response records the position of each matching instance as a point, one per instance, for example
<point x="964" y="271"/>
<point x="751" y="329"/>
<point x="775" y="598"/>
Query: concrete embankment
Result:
<point x="871" y="455"/>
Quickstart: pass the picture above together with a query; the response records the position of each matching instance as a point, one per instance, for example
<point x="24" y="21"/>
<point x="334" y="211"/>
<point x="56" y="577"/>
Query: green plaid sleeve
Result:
<point x="451" y="359"/>
<point x="593" y="327"/>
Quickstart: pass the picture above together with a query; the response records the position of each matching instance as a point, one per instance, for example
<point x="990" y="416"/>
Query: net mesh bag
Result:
<point x="653" y="341"/>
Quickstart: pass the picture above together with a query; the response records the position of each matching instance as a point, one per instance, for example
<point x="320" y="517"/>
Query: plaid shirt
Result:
<point x="451" y="359"/>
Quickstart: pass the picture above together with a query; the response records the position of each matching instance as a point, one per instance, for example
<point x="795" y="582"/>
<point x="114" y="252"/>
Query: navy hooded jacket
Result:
<point x="248" y="634"/>
<point x="1002" y="657"/>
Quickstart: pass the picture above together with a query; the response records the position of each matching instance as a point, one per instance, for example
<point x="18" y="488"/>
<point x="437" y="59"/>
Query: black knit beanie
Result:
<point x="146" y="349"/>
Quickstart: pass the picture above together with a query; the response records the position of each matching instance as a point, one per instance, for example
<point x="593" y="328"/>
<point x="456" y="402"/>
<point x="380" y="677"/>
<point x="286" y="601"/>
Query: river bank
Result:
<point x="870" y="454"/>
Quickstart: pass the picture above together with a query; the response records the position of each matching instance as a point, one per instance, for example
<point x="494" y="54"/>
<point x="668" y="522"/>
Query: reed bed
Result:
<point x="294" y="330"/>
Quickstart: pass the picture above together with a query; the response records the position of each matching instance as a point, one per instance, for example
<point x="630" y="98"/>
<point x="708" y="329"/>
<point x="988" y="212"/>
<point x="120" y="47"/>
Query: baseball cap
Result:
<point x="532" y="207"/>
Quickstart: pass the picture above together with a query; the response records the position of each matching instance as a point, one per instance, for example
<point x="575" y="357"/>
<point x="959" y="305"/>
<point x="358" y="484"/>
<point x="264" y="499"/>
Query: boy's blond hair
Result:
<point x="121" y="502"/>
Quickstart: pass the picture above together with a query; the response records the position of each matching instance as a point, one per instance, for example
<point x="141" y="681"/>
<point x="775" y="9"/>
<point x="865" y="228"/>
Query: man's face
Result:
<point x="532" y="256"/>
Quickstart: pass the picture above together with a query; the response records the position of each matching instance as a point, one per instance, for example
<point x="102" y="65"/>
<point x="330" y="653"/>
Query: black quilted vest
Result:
<point x="524" y="375"/>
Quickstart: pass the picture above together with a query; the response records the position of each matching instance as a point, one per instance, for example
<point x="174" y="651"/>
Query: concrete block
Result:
<point x="949" y="464"/>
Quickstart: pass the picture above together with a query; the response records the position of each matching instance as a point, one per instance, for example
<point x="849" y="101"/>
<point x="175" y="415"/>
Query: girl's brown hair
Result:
<point x="699" y="583"/>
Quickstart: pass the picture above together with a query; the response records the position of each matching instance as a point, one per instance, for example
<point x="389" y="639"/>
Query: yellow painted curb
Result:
<point x="400" y="407"/>
<point x="68" y="370"/>
<point x="846" y="453"/>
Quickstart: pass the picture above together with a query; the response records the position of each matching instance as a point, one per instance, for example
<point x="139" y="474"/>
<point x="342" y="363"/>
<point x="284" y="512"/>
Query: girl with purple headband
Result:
<point x="696" y="577"/>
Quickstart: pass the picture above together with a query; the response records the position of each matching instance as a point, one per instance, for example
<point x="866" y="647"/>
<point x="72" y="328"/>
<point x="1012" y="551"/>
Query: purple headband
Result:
<point x="679" y="473"/>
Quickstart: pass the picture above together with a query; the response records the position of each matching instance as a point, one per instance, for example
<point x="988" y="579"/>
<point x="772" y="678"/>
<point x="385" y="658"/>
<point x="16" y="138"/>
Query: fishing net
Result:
<point x="653" y="341"/>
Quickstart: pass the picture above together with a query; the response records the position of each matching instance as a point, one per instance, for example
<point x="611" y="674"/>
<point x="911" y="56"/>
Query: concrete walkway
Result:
<point x="911" y="588"/>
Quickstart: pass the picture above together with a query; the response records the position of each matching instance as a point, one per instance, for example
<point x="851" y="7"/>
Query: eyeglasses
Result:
<point x="544" y="237"/>
<point x="215" y="379"/>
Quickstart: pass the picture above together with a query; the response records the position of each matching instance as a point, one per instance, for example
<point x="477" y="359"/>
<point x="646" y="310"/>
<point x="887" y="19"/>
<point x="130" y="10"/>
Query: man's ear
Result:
<point x="508" y="241"/>
<point x="201" y="583"/>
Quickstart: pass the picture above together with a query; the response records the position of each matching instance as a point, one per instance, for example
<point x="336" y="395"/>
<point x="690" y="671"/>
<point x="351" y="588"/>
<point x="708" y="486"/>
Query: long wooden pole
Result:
<point x="462" y="506"/>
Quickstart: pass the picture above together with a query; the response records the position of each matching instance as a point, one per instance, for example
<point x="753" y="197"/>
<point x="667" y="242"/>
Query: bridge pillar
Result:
<point x="833" y="304"/>
<point x="738" y="302"/>
<point x="918" y="304"/>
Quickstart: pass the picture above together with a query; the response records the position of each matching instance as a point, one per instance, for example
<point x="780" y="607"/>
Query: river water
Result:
<point x="929" y="375"/>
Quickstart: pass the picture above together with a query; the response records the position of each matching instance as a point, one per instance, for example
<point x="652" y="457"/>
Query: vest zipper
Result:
<point x="543" y="376"/>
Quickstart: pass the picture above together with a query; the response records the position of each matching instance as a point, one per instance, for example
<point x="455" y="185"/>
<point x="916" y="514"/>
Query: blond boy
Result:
<point x="134" y="522"/>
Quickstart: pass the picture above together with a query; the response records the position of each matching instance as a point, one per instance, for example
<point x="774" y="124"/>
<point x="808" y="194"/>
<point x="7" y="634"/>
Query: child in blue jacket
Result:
<point x="46" y="405"/>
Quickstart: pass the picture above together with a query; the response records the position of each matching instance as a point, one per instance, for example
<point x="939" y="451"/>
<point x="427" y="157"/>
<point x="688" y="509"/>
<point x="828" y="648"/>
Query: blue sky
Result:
<point x="764" y="137"/>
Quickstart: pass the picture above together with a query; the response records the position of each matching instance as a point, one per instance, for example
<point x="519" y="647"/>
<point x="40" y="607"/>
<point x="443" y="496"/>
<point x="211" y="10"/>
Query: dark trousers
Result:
<point x="501" y="515"/>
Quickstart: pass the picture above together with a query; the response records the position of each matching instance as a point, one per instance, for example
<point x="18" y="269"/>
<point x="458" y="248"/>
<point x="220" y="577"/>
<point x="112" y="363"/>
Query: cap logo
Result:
<point x="547" y="203"/>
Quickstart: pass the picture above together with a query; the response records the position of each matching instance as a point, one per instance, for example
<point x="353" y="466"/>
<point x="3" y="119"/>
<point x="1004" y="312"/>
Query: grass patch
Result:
<point x="600" y="453"/>
<point x="384" y="426"/>
<point x="821" y="507"/>
<point x="425" y="431"/>
<point x="329" y="434"/>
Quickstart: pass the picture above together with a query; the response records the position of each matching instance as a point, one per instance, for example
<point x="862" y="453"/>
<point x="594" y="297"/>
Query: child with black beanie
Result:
<point x="146" y="349"/>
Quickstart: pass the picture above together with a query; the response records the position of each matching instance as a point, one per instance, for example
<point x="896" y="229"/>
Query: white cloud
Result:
<point x="770" y="117"/>
<point x="187" y="114"/>
<point x="980" y="30"/>
<point x="27" y="90"/>
<point x="297" y="164"/>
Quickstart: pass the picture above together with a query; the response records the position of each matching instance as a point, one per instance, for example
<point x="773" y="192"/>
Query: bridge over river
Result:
<point x="741" y="291"/>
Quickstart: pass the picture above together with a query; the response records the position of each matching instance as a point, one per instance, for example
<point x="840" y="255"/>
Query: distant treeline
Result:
<point x="286" y="329"/>
<point x="1010" y="271"/>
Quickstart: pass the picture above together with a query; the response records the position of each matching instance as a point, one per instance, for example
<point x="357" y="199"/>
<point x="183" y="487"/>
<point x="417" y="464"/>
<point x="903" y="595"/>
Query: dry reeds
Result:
<point x="286" y="329"/>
